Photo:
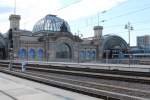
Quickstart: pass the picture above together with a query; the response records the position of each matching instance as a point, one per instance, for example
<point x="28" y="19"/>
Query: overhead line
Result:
<point x="137" y="30"/>
<point x="128" y="13"/>
<point x="138" y="22"/>
<point x="132" y="12"/>
<point x="122" y="15"/>
<point x="69" y="5"/>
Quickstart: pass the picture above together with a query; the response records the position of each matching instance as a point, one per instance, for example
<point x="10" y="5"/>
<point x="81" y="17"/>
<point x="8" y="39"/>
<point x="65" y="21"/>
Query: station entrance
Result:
<point x="114" y="47"/>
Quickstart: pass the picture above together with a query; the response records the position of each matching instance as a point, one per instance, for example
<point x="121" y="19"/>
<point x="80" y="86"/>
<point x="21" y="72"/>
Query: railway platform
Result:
<point x="14" y="88"/>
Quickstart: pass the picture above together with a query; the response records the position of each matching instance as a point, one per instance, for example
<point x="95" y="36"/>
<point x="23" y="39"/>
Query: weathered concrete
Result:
<point x="13" y="88"/>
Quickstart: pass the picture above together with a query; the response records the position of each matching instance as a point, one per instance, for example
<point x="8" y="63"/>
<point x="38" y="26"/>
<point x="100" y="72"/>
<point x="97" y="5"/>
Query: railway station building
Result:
<point x="52" y="40"/>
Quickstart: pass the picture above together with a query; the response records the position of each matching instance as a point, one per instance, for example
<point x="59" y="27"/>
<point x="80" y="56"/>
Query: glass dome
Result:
<point x="51" y="23"/>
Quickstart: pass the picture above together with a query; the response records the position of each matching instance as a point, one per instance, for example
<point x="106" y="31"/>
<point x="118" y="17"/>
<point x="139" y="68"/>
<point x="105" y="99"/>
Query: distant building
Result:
<point x="51" y="40"/>
<point x="142" y="50"/>
<point x="143" y="41"/>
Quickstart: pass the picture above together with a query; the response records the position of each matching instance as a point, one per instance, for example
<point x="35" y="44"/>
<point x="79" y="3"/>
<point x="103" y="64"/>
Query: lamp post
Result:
<point x="10" y="48"/>
<point x="129" y="27"/>
<point x="10" y="58"/>
<point x="107" y="56"/>
<point x="98" y="16"/>
<point x="79" y="35"/>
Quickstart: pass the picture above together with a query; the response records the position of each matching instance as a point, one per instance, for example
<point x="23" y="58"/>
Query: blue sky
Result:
<point x="83" y="15"/>
<point x="133" y="11"/>
<point x="5" y="9"/>
<point x="139" y="18"/>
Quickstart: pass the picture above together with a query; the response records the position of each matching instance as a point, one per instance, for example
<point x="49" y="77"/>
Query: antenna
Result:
<point x="99" y="16"/>
<point x="14" y="6"/>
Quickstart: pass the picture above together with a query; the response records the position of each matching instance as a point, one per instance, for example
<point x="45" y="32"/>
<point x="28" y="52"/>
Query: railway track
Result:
<point x="135" y="77"/>
<point x="54" y="77"/>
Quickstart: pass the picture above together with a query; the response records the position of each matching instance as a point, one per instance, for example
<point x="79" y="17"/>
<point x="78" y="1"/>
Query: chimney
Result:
<point x="98" y="31"/>
<point x="14" y="21"/>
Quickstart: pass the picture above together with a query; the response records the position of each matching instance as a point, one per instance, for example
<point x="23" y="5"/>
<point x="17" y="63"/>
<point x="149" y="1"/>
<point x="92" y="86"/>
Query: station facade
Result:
<point x="51" y="40"/>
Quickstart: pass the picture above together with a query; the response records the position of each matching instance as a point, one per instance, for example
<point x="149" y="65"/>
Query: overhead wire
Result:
<point x="122" y="15"/>
<point x="129" y="13"/>
<point x="138" y="22"/>
<point x="135" y="30"/>
<point x="118" y="16"/>
<point x="75" y="2"/>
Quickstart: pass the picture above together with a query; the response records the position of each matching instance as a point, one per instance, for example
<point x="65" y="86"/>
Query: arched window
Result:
<point x="31" y="53"/>
<point x="88" y="54"/>
<point x="22" y="53"/>
<point x="82" y="54"/>
<point x="63" y="50"/>
<point x="93" y="52"/>
<point x="40" y="53"/>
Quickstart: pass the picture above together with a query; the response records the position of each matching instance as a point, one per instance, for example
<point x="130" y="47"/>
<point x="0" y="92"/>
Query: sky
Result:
<point x="83" y="15"/>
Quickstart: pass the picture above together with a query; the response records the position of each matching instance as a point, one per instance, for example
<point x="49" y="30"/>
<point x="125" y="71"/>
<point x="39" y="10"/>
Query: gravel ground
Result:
<point x="141" y="90"/>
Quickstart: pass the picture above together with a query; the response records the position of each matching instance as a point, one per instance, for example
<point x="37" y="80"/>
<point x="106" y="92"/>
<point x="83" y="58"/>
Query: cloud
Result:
<point x="30" y="10"/>
<point x="33" y="10"/>
<point x="87" y="8"/>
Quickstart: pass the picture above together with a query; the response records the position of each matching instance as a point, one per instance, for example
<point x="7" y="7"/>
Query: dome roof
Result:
<point x="113" y="41"/>
<point x="51" y="23"/>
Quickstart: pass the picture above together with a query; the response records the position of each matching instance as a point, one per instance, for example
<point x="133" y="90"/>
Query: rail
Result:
<point x="90" y="88"/>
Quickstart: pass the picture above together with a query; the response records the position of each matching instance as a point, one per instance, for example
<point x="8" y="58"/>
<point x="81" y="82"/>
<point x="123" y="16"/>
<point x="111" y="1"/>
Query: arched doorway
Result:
<point x="113" y="46"/>
<point x="63" y="51"/>
<point x="22" y="53"/>
<point x="3" y="54"/>
<point x="40" y="54"/>
<point x="31" y="53"/>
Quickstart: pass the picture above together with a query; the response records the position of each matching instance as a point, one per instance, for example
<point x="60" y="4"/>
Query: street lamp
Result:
<point x="129" y="27"/>
<point x="98" y="17"/>
<point x="10" y="48"/>
<point x="107" y="56"/>
<point x="79" y="36"/>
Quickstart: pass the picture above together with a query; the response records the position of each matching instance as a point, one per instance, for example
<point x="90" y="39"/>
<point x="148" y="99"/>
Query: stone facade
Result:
<point x="53" y="41"/>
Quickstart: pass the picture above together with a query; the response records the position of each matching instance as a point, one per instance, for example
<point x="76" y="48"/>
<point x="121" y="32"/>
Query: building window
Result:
<point x="22" y="53"/>
<point x="82" y="54"/>
<point x="31" y="53"/>
<point x="88" y="54"/>
<point x="40" y="54"/>
<point x="63" y="50"/>
<point x="93" y="54"/>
